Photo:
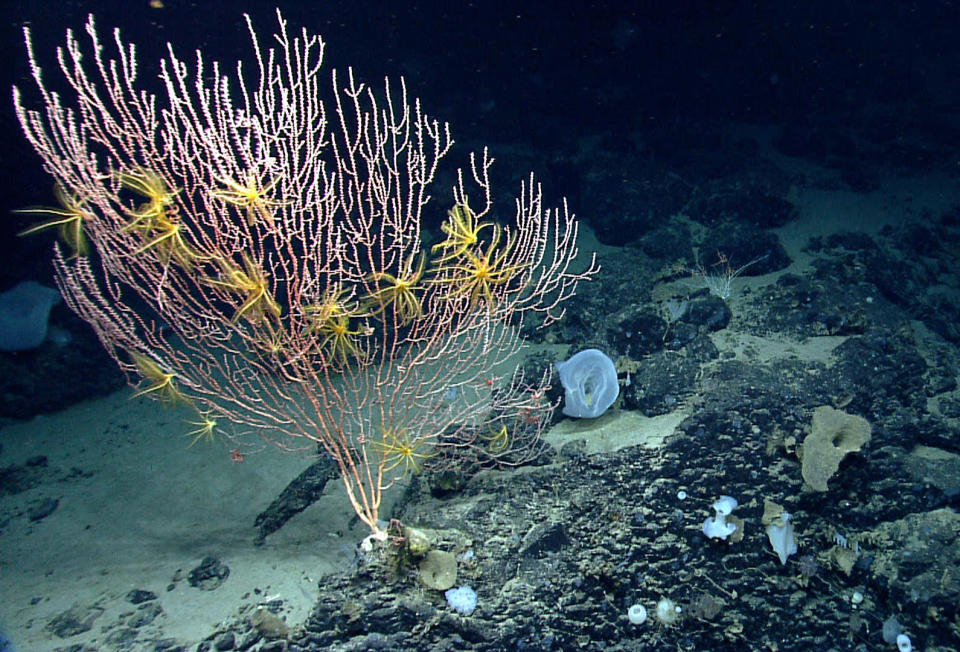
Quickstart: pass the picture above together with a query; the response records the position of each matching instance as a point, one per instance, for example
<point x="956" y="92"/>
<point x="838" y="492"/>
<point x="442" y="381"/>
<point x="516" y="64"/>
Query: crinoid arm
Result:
<point x="69" y="218"/>
<point x="156" y="382"/>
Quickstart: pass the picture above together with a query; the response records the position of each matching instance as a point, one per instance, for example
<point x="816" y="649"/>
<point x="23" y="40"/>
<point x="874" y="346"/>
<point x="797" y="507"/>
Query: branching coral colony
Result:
<point x="258" y="254"/>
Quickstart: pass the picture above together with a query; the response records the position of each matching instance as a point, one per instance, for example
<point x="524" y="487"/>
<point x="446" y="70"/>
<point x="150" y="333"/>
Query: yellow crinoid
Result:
<point x="69" y="218"/>
<point x="331" y="320"/>
<point x="155" y="381"/>
<point x="160" y="199"/>
<point x="463" y="232"/>
<point x="205" y="430"/>
<point x="478" y="272"/>
<point x="253" y="283"/>
<point x="166" y="239"/>
<point x="399" y="291"/>
<point x="399" y="449"/>
<point x="340" y="341"/>
<point x="157" y="220"/>
<point x="334" y="303"/>
<point x="273" y="340"/>
<point x="251" y="196"/>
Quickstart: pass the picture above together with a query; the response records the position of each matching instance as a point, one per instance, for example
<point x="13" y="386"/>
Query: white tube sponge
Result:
<point x="590" y="382"/>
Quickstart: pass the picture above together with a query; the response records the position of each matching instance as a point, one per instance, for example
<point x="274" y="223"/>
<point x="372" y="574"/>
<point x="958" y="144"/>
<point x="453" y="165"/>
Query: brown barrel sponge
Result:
<point x="833" y="434"/>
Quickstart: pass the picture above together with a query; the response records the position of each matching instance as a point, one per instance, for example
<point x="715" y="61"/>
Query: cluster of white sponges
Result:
<point x="720" y="525"/>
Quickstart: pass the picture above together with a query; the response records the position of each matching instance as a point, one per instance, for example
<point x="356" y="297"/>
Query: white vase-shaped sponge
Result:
<point x="24" y="311"/>
<point x="590" y="383"/>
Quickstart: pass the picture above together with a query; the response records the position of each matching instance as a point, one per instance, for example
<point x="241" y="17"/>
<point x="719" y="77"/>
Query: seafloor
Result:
<point x="851" y="306"/>
<point x="811" y="148"/>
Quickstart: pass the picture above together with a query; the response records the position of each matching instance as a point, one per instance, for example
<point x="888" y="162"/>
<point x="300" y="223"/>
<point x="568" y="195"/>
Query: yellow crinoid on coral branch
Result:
<point x="253" y="283"/>
<point x="69" y="218"/>
<point x="330" y="320"/>
<point x="252" y="197"/>
<point x="399" y="290"/>
<point x="157" y="220"/>
<point x="463" y="232"/>
<point x="477" y="272"/>
<point x="150" y="185"/>
<point x="398" y="448"/>
<point x="156" y="381"/>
